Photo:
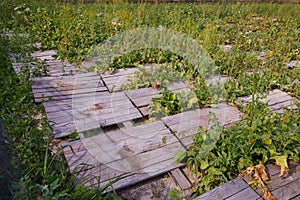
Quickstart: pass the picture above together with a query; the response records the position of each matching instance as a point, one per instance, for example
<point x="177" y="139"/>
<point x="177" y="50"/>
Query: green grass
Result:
<point x="74" y="29"/>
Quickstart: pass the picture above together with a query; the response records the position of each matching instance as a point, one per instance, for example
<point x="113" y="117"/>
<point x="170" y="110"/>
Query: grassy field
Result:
<point x="74" y="29"/>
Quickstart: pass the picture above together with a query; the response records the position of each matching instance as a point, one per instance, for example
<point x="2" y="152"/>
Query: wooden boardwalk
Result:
<point x="115" y="140"/>
<point x="48" y="66"/>
<point x="284" y="188"/>
<point x="276" y="100"/>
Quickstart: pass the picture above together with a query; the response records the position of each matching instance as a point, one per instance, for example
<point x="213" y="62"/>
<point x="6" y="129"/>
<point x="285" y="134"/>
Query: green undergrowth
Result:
<point x="220" y="154"/>
<point x="248" y="28"/>
<point x="38" y="172"/>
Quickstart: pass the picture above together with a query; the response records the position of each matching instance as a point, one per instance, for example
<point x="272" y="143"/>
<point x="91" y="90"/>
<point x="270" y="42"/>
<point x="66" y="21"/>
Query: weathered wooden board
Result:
<point x="296" y="198"/>
<point x="277" y="182"/>
<point x="81" y="97"/>
<point x="98" y="100"/>
<point x="44" y="55"/>
<point x="114" y="103"/>
<point x="144" y="111"/>
<point x="282" y="188"/>
<point x="91" y="112"/>
<point x="180" y="179"/>
<point x="276" y="99"/>
<point x="141" y="98"/>
<point x="288" y="191"/>
<point x="66" y="87"/>
<point x="46" y="95"/>
<point x="186" y="124"/>
<point x="144" y="151"/>
<point x="119" y="77"/>
<point x="279" y="187"/>
<point x="226" y="190"/>
<point x="247" y="193"/>
<point x="59" y="68"/>
<point x="45" y="82"/>
<point x="61" y="129"/>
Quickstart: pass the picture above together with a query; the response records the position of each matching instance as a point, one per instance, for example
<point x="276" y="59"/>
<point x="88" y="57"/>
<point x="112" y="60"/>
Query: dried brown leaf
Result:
<point x="156" y="84"/>
<point x="282" y="162"/>
<point x="267" y="194"/>
<point x="283" y="171"/>
<point x="262" y="172"/>
<point x="243" y="173"/>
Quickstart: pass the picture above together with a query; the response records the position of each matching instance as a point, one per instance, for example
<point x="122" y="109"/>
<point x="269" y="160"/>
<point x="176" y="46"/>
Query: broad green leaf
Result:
<point x="281" y="161"/>
<point x="204" y="164"/>
<point x="179" y="156"/>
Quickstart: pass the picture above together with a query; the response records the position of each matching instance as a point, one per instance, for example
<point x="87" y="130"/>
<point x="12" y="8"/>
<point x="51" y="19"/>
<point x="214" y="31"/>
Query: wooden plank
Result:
<point x="186" y="124"/>
<point x="143" y="97"/>
<point x="144" y="110"/>
<point x="280" y="107"/>
<point x="104" y="120"/>
<point x="119" y="72"/>
<point x="79" y="77"/>
<point x="149" y="157"/>
<point x="98" y="101"/>
<point x="280" y="185"/>
<point x="180" y="179"/>
<point x="277" y="182"/>
<point x="288" y="191"/>
<point x="43" y="53"/>
<point x="296" y="198"/>
<point x="157" y="162"/>
<point x="128" y="142"/>
<point x="64" y="109"/>
<point x="135" y="94"/>
<point x="115" y="105"/>
<point x="144" y="101"/>
<point x="121" y="76"/>
<point x="68" y="128"/>
<point x="276" y="101"/>
<point x="48" y="94"/>
<point x="185" y="116"/>
<point x="65" y="86"/>
<point x="247" y="193"/>
<point x="140" y="177"/>
<point x="63" y="129"/>
<point x="81" y="101"/>
<point x="226" y="190"/>
<point x="73" y="97"/>
<point x="126" y="71"/>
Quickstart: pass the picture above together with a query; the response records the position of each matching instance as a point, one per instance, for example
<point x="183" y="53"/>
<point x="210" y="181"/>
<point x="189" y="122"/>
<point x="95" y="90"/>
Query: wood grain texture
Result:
<point x="143" y="152"/>
<point x="226" y="190"/>
<point x="185" y="125"/>
<point x="289" y="191"/>
<point x="67" y="87"/>
<point x="142" y="98"/>
<point x="248" y="193"/>
<point x="276" y="100"/>
<point x="180" y="179"/>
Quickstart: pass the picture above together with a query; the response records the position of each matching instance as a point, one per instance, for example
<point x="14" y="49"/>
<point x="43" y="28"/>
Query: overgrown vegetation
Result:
<point x="74" y="29"/>
<point x="218" y="155"/>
